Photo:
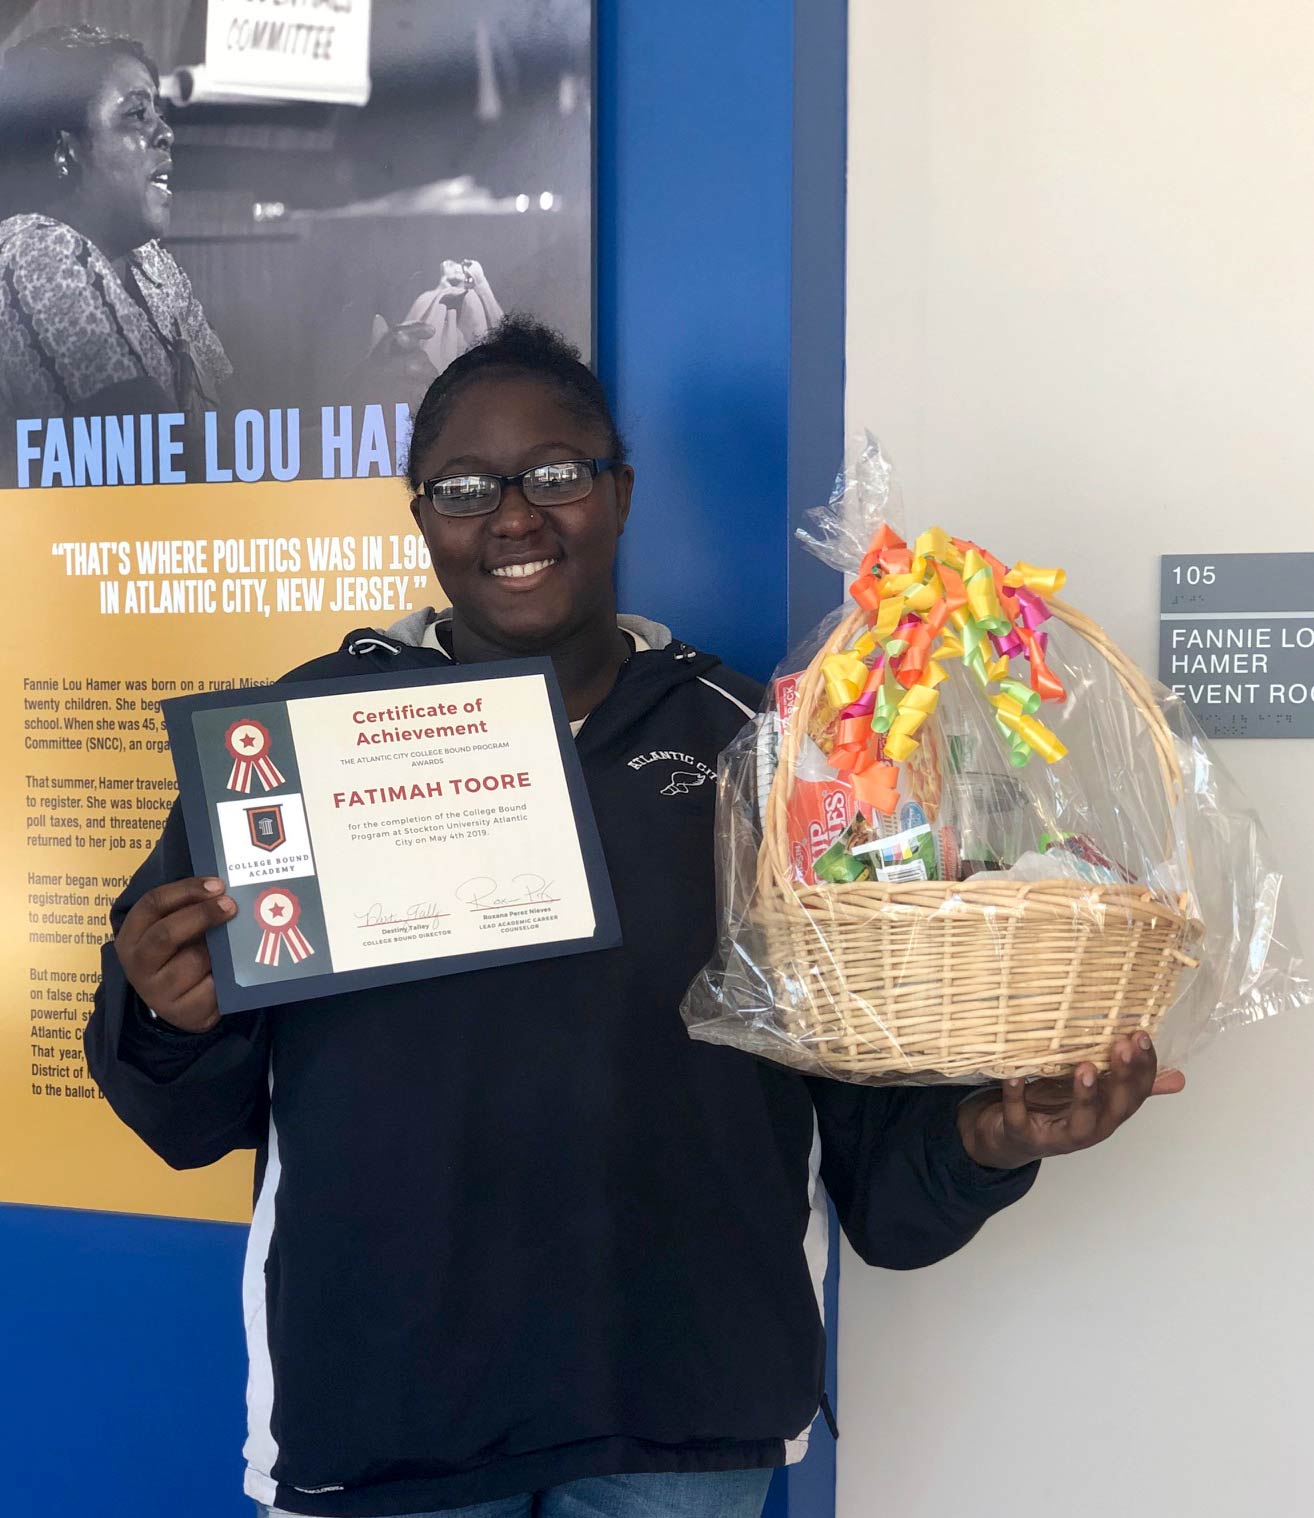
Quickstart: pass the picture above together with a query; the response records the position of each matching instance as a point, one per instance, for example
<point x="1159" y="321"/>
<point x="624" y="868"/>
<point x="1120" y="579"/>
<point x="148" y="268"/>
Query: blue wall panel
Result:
<point x="124" y="1369"/>
<point x="817" y="308"/>
<point x="694" y="194"/>
<point x="721" y="187"/>
<point x="720" y="332"/>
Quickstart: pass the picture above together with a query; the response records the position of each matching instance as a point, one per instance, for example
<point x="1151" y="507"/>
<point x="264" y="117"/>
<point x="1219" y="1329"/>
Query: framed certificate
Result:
<point x="386" y="828"/>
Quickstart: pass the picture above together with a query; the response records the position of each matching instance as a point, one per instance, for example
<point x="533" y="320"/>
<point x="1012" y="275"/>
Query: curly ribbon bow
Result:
<point x="944" y="598"/>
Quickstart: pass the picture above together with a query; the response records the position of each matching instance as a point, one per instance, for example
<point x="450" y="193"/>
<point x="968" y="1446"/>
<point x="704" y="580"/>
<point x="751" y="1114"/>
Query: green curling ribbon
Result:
<point x="1019" y="750"/>
<point x="1026" y="698"/>
<point x="887" y="708"/>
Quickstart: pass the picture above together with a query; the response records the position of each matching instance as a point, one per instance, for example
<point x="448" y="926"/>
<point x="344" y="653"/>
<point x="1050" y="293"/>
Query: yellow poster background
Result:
<point x="101" y="582"/>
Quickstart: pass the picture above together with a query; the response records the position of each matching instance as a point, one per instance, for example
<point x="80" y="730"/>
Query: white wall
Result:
<point x="1081" y="316"/>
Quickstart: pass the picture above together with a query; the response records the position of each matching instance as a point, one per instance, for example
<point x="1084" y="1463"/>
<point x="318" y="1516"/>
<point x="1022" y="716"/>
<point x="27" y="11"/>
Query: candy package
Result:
<point x="967" y="839"/>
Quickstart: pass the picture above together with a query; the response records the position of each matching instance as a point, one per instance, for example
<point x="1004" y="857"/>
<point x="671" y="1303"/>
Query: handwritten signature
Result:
<point x="483" y="892"/>
<point x="378" y="915"/>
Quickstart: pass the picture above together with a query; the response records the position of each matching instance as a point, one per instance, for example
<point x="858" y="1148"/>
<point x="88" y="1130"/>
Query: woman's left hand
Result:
<point x="1021" y="1121"/>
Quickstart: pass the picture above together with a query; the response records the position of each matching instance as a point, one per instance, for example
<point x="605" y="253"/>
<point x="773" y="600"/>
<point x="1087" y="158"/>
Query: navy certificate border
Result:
<point x="197" y="803"/>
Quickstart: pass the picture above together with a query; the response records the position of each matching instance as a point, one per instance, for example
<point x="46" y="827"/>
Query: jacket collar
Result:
<point x="645" y="678"/>
<point x="423" y="628"/>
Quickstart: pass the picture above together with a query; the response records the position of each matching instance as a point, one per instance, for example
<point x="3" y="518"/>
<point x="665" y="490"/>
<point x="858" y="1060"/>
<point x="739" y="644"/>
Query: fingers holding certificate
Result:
<point x="388" y="828"/>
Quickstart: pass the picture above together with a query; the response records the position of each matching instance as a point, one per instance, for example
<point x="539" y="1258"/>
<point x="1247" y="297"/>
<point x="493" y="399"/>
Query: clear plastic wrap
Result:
<point x="966" y="839"/>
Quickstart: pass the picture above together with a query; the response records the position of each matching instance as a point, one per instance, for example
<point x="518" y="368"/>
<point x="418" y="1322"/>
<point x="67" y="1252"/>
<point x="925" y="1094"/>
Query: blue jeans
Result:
<point x="693" y="1494"/>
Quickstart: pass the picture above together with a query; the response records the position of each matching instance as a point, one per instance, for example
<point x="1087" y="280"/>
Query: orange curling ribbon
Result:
<point x="913" y="661"/>
<point x="955" y="593"/>
<point x="878" y="788"/>
<point x="1043" y="679"/>
<point x="852" y="758"/>
<point x="866" y="591"/>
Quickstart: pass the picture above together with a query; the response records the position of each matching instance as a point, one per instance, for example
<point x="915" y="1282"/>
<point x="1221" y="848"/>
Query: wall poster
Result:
<point x="224" y="282"/>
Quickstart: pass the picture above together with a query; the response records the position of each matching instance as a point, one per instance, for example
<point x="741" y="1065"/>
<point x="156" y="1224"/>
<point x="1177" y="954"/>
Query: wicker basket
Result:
<point x="1020" y="978"/>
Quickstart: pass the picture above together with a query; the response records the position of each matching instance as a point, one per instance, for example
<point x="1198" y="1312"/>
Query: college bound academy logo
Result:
<point x="278" y="911"/>
<point x="265" y="825"/>
<point x="247" y="742"/>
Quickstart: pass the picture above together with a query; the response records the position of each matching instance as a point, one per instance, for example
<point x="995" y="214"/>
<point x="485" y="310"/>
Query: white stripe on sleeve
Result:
<point x="816" y="1248"/>
<point x="734" y="700"/>
<point x="261" y="1448"/>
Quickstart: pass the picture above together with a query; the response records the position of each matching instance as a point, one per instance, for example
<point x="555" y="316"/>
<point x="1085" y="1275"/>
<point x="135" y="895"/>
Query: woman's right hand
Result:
<point x="162" y="949"/>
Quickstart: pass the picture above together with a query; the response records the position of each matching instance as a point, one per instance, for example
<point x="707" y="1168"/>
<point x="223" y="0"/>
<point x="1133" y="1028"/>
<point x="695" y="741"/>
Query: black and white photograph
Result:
<point x="222" y="207"/>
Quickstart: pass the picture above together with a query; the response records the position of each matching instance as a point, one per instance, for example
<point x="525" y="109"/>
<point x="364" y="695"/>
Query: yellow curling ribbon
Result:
<point x="917" y="705"/>
<point x="887" y="619"/>
<point x="935" y="543"/>
<point x="922" y="598"/>
<point x="1028" y="703"/>
<point x="899" y="746"/>
<point x="1033" y="733"/>
<point x="1048" y="745"/>
<point x="844" y="675"/>
<point x="1045" y="582"/>
<point x="982" y="599"/>
<point x="910" y="593"/>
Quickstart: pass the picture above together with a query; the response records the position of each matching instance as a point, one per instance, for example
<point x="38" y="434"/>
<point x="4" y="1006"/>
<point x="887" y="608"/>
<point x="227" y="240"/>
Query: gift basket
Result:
<point x="967" y="839"/>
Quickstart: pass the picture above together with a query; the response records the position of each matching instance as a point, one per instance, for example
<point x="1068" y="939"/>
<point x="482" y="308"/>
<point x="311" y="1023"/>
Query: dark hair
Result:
<point x="46" y="86"/>
<point x="517" y="345"/>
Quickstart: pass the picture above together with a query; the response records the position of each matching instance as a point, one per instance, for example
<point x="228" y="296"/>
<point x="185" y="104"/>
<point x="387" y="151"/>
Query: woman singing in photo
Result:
<point x="95" y="316"/>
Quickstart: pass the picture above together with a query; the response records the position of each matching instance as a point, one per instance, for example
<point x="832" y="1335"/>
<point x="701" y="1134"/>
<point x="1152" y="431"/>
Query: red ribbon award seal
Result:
<point x="278" y="911"/>
<point x="247" y="742"/>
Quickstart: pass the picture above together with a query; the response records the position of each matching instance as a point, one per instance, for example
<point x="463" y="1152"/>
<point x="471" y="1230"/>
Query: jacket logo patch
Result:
<point x="679" y="773"/>
<point x="682" y="782"/>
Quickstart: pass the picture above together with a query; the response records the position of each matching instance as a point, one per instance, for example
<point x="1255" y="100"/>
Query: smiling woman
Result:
<point x="520" y="1244"/>
<point x="95" y="316"/>
<point x="525" y="556"/>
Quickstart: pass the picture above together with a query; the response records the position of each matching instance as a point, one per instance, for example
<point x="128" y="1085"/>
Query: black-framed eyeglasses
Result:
<point x="475" y="495"/>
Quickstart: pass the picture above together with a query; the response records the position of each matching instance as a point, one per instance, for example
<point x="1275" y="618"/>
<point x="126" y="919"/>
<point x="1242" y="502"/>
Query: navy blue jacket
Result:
<point x="514" y="1227"/>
